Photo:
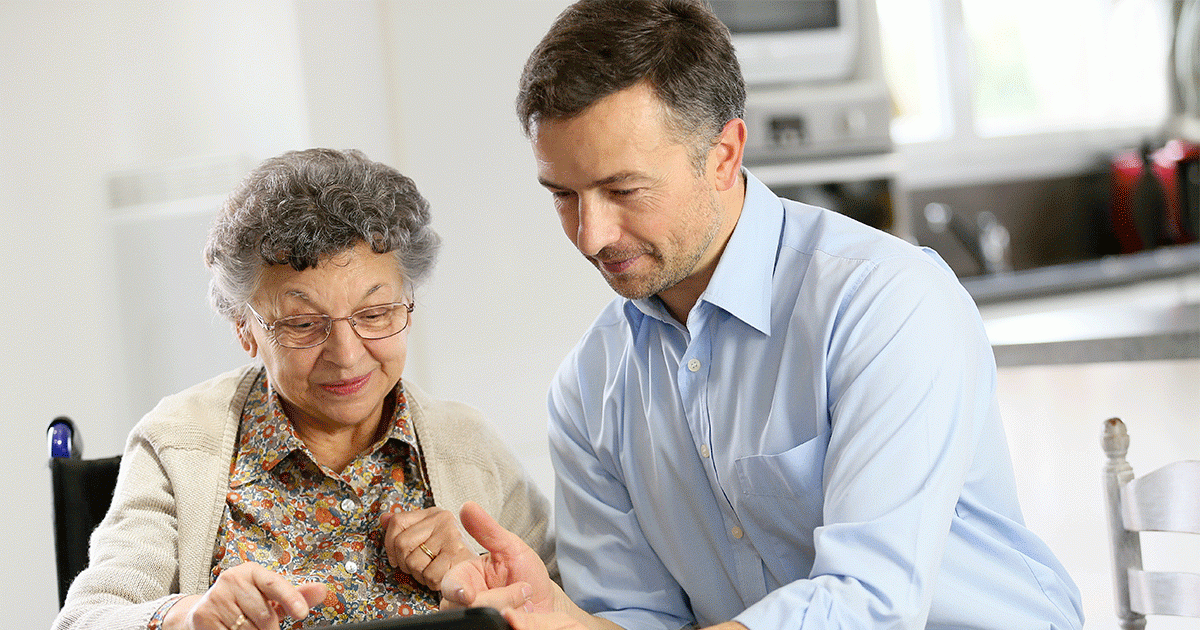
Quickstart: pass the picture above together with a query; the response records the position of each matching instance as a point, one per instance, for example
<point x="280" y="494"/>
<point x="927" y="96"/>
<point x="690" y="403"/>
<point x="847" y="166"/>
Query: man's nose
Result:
<point x="598" y="227"/>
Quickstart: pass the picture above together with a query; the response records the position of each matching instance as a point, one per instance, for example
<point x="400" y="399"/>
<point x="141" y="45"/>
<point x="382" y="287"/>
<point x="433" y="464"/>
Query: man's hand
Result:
<point x="520" y="620"/>
<point x="510" y="575"/>
<point x="512" y="579"/>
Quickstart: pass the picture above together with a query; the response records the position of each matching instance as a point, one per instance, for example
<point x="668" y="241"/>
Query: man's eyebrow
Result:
<point x="615" y="178"/>
<point x="548" y="184"/>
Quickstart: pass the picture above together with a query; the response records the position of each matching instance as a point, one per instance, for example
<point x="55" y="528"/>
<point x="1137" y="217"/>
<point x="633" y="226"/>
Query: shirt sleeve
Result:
<point x="600" y="544"/>
<point x="911" y="383"/>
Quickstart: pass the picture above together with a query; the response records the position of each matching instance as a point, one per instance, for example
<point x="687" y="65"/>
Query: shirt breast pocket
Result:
<point x="781" y="502"/>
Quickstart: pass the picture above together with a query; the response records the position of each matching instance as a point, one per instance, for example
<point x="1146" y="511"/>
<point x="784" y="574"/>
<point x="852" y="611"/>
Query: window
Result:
<point x="998" y="83"/>
<point x="916" y="62"/>
<point x="1049" y="64"/>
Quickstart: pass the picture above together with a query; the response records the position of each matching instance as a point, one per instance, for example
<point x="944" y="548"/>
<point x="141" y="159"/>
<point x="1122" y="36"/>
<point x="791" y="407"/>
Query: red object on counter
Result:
<point x="1144" y="218"/>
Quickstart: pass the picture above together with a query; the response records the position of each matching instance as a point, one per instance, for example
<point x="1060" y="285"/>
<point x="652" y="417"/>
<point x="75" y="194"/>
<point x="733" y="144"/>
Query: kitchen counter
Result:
<point x="1137" y="307"/>
<point x="1111" y="271"/>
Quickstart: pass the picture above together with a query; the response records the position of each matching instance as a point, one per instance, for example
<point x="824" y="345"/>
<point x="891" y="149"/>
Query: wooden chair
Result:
<point x="1166" y="500"/>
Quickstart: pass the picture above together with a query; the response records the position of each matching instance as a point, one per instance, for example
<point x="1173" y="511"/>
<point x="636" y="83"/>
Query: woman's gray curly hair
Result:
<point x="303" y="207"/>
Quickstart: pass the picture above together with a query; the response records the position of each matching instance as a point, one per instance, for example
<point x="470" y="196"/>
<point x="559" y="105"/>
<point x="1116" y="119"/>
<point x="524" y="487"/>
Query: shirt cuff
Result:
<point x="156" y="620"/>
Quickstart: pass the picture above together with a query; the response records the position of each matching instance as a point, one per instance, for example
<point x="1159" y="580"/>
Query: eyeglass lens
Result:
<point x="375" y="322"/>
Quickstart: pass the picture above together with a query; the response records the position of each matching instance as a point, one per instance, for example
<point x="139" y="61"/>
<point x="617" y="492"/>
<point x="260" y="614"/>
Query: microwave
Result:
<point x="814" y="78"/>
<point x="793" y="41"/>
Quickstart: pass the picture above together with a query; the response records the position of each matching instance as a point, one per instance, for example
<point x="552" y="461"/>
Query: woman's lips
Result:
<point x="347" y="387"/>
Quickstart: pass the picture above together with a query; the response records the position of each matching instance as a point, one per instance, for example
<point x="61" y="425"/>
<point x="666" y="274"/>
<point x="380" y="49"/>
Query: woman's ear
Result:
<point x="249" y="343"/>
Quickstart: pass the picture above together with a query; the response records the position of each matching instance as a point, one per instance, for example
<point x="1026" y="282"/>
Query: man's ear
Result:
<point x="249" y="343"/>
<point x="725" y="157"/>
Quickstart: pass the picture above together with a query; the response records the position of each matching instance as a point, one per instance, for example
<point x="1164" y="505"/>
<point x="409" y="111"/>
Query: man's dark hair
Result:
<point x="599" y="47"/>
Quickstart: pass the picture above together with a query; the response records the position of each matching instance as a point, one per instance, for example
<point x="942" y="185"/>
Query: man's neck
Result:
<point x="680" y="298"/>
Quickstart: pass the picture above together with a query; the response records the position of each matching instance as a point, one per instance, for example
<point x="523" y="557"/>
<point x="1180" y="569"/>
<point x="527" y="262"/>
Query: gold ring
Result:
<point x="423" y="548"/>
<point x="240" y="620"/>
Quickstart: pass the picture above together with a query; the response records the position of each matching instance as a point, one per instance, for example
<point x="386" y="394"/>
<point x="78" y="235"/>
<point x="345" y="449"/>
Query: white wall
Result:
<point x="52" y="215"/>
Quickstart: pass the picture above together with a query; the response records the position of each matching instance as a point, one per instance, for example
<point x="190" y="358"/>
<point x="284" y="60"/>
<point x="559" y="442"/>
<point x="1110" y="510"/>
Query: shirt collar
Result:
<point x="742" y="282"/>
<point x="267" y="436"/>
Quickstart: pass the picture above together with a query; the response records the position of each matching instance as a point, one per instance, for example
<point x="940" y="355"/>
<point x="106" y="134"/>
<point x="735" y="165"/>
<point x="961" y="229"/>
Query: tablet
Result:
<point x="459" y="619"/>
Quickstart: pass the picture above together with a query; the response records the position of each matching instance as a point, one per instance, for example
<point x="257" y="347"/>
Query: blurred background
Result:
<point x="1044" y="148"/>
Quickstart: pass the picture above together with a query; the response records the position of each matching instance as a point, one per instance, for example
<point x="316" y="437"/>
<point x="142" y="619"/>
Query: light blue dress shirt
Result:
<point x="819" y="447"/>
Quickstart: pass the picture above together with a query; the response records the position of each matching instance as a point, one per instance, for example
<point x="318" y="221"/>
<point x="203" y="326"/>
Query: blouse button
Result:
<point x="351" y="567"/>
<point x="694" y="365"/>
<point x="347" y="505"/>
<point x="704" y="451"/>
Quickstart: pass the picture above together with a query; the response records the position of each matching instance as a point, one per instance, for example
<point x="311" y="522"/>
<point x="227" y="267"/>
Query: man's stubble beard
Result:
<point x="669" y="272"/>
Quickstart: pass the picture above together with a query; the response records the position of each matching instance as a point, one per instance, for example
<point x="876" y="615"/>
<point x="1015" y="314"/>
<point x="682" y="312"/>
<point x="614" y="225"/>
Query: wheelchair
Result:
<point x="82" y="490"/>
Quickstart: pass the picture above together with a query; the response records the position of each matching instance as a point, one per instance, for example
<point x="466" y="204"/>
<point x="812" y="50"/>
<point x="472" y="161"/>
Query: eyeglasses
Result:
<point x="312" y="329"/>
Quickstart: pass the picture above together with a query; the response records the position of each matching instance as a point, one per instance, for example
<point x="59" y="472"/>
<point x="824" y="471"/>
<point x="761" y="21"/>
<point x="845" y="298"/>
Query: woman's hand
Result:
<point x="424" y="543"/>
<point x="246" y="597"/>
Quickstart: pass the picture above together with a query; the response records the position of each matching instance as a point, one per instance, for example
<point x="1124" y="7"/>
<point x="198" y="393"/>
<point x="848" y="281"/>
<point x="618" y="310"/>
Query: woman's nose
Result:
<point x="343" y="345"/>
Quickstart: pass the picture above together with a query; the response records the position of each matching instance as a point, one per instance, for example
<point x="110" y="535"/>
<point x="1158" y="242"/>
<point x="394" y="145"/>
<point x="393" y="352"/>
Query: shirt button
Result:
<point x="351" y="567"/>
<point x="347" y="505"/>
<point x="737" y="533"/>
<point x="704" y="450"/>
<point x="694" y="365"/>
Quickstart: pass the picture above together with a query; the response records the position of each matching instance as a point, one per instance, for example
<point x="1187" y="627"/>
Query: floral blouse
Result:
<point x="298" y="518"/>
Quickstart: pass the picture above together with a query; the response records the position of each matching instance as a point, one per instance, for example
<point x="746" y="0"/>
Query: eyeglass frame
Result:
<point x="330" y="321"/>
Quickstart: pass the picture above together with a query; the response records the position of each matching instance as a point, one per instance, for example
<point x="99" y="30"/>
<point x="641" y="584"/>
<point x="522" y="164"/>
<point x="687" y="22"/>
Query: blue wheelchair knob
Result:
<point x="59" y="436"/>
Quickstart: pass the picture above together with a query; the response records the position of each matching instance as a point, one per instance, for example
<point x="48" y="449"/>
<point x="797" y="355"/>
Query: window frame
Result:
<point x="966" y="157"/>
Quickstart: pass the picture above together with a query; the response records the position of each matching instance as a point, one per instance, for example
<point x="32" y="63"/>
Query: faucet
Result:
<point x="987" y="242"/>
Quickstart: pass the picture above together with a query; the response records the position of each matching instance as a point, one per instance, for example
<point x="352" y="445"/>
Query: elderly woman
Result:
<point x="309" y="486"/>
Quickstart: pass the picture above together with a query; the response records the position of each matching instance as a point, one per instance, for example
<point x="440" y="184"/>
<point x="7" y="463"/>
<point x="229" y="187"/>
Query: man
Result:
<point x="789" y="419"/>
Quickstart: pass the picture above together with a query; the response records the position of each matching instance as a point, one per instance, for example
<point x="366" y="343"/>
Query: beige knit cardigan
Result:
<point x="159" y="536"/>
